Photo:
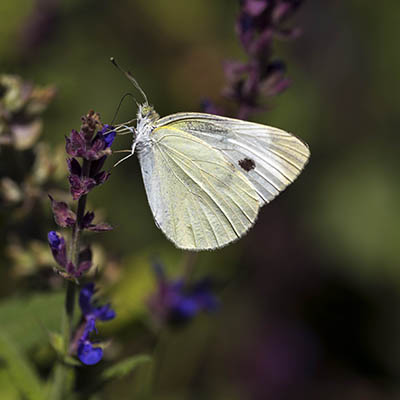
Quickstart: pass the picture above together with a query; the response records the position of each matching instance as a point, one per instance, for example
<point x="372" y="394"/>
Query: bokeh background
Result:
<point x="310" y="298"/>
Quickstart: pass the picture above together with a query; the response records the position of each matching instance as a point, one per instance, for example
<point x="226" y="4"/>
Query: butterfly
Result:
<point x="207" y="176"/>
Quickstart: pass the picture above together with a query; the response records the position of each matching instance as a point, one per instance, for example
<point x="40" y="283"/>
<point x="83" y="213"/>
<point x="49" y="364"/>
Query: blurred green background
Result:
<point x="310" y="298"/>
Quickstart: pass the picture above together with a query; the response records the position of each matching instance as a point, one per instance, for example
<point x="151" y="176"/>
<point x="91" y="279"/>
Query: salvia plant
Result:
<point x="176" y="301"/>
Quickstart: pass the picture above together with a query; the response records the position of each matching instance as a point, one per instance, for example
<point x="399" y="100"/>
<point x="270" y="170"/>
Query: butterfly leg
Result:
<point x="123" y="159"/>
<point x="133" y="131"/>
<point x="123" y="129"/>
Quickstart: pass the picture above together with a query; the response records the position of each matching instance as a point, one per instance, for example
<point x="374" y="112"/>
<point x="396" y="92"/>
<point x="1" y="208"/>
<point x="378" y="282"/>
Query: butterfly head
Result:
<point x="147" y="113"/>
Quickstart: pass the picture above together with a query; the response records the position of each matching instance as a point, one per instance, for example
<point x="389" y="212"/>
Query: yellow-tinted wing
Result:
<point x="199" y="199"/>
<point x="270" y="158"/>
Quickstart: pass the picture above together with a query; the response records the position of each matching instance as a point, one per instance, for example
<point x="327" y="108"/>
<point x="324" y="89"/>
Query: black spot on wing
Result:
<point x="247" y="164"/>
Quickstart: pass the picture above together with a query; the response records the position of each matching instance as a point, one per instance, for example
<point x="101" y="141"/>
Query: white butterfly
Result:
<point x="207" y="176"/>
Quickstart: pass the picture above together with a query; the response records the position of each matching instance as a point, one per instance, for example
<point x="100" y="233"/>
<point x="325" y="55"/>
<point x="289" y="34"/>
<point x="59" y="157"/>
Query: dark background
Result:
<point x="310" y="299"/>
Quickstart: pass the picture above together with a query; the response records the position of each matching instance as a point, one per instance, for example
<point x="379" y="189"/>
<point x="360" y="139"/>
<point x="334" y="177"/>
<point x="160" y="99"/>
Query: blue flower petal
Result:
<point x="105" y="313"/>
<point x="185" y="309"/>
<point x="108" y="134"/>
<point x="177" y="301"/>
<point x="88" y="354"/>
<point x="208" y="302"/>
<point x="106" y="128"/>
<point x="203" y="295"/>
<point x="109" y="138"/>
<point x="90" y="325"/>
<point x="85" y="298"/>
<point x="54" y="239"/>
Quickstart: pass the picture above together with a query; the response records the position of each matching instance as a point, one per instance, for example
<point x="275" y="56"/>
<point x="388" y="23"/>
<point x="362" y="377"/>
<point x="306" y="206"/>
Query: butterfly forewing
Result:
<point x="269" y="157"/>
<point x="199" y="199"/>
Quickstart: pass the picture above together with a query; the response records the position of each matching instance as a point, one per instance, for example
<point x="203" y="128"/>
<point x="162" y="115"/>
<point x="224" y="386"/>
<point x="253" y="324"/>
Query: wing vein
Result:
<point x="218" y="180"/>
<point x="254" y="152"/>
<point x="193" y="178"/>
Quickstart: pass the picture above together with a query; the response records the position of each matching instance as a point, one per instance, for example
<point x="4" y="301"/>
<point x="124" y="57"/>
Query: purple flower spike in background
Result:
<point x="177" y="302"/>
<point x="250" y="83"/>
<point x="88" y="352"/>
<point x="186" y="303"/>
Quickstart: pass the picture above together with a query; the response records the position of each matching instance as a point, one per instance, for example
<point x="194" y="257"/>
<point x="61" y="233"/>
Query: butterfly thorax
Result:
<point x="146" y="122"/>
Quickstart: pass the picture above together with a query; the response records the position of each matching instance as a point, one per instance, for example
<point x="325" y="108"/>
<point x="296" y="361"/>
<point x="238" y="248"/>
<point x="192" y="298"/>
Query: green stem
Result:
<point x="62" y="370"/>
<point x="148" y="377"/>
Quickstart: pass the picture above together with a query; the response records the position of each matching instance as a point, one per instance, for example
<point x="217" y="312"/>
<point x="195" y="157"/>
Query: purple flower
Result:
<point x="258" y="24"/>
<point x="75" y="144"/>
<point x="87" y="351"/>
<point x="175" y="302"/>
<point x="81" y="144"/>
<point x="63" y="215"/>
<point x="254" y="7"/>
<point x="58" y="248"/>
<point x="78" y="146"/>
<point x="85" y="262"/>
<point x="87" y="223"/>
<point x="80" y="185"/>
<point x="92" y="143"/>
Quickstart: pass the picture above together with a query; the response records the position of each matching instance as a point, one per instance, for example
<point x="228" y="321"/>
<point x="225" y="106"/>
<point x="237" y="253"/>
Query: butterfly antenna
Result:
<point x="131" y="78"/>
<point x="120" y="104"/>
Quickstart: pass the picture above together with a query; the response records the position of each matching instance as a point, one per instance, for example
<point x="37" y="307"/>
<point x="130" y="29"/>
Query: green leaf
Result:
<point x="7" y="389"/>
<point x="29" y="319"/>
<point x="125" y="367"/>
<point x="21" y="372"/>
<point x="57" y="342"/>
<point x="71" y="361"/>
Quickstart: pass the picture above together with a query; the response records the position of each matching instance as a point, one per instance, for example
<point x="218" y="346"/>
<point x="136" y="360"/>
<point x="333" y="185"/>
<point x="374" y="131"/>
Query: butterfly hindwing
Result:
<point x="199" y="199"/>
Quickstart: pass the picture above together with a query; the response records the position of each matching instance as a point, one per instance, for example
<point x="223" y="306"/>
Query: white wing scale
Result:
<point x="202" y="193"/>
<point x="279" y="157"/>
<point x="198" y="198"/>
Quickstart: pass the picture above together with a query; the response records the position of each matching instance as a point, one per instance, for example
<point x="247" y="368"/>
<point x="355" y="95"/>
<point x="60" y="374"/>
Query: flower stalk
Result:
<point x="252" y="83"/>
<point x="92" y="145"/>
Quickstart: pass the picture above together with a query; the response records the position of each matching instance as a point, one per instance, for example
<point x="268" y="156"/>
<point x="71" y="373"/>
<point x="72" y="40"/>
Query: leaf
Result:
<point x="72" y="362"/>
<point x="20" y="371"/>
<point x="57" y="342"/>
<point x="7" y="389"/>
<point x="125" y="367"/>
<point x="102" y="227"/>
<point x="29" y="319"/>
